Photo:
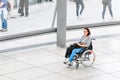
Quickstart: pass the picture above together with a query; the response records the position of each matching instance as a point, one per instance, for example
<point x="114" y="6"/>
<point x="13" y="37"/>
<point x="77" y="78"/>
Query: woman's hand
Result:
<point x="78" y="44"/>
<point x="81" y="45"/>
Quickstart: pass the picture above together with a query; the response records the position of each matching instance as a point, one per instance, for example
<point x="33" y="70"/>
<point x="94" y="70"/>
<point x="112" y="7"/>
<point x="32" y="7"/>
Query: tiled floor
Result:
<point x="46" y="63"/>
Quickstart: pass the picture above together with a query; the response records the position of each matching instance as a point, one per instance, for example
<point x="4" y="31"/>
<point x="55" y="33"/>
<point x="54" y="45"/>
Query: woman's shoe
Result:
<point x="70" y="64"/>
<point x="66" y="61"/>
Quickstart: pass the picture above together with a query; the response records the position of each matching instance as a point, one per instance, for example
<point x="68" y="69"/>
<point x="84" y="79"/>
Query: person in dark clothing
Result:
<point x="78" y="3"/>
<point x="24" y="4"/>
<point x="105" y="4"/>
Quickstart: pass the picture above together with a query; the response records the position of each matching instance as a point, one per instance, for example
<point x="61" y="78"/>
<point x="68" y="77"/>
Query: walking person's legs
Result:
<point x="77" y="8"/>
<point x="110" y="9"/>
<point x="22" y="4"/>
<point x="104" y="10"/>
<point x="3" y="15"/>
<point x="26" y="7"/>
<point x="82" y="8"/>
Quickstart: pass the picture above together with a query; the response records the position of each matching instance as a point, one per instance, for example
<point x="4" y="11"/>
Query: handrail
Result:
<point x="50" y="30"/>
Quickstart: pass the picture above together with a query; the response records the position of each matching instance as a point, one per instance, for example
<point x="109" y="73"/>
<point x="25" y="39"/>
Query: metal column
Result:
<point x="61" y="23"/>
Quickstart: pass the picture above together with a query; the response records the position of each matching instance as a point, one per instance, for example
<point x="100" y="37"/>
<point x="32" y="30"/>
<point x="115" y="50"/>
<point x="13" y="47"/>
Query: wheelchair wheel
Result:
<point x="87" y="58"/>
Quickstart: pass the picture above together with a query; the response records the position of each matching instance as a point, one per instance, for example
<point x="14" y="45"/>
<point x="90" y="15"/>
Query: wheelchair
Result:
<point x="85" y="57"/>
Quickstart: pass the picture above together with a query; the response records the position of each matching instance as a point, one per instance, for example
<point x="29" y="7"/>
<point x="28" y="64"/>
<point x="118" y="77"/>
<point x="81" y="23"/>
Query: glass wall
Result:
<point x="41" y="15"/>
<point x="30" y="1"/>
<point x="93" y="11"/>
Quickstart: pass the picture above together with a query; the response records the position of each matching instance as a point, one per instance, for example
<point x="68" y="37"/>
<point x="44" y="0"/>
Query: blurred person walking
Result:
<point x="107" y="3"/>
<point x="78" y="4"/>
<point x="24" y="4"/>
<point x="3" y="14"/>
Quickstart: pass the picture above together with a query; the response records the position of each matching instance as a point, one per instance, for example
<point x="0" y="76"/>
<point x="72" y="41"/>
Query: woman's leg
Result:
<point x="22" y="4"/>
<point x="77" y="8"/>
<point x="74" y="51"/>
<point x="4" y="15"/>
<point x="26" y="7"/>
<point x="110" y="9"/>
<point x="82" y="8"/>
<point x="104" y="10"/>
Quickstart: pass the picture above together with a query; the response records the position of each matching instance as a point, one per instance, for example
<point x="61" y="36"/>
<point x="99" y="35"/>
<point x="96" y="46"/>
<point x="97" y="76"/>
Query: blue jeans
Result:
<point x="3" y="16"/>
<point x="74" y="51"/>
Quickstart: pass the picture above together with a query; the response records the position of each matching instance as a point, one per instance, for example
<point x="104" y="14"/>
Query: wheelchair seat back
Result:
<point x="90" y="46"/>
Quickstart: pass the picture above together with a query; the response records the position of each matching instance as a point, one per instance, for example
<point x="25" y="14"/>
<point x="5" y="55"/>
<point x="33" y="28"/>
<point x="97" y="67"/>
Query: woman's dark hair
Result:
<point x="87" y="31"/>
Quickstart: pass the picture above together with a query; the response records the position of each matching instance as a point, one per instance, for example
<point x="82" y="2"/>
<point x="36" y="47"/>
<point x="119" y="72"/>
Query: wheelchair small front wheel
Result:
<point x="88" y="58"/>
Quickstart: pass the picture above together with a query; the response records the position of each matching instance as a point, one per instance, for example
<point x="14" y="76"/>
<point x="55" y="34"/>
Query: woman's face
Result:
<point x="85" y="32"/>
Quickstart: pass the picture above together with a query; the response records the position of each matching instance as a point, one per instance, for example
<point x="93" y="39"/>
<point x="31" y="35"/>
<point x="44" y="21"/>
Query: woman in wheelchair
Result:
<point x="81" y="45"/>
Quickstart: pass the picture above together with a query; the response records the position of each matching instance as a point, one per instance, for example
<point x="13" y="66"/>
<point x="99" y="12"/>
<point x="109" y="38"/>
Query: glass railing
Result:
<point x="42" y="15"/>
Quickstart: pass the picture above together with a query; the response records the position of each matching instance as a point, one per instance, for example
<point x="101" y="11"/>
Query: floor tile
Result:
<point x="29" y="74"/>
<point x="110" y="67"/>
<point x="5" y="59"/>
<point x="59" y="51"/>
<point x="116" y="74"/>
<point x="29" y="54"/>
<point x="117" y="56"/>
<point x="44" y="60"/>
<point x="57" y="67"/>
<point x="81" y="73"/>
<point x="99" y="42"/>
<point x="6" y="78"/>
<point x="53" y="77"/>
<point x="13" y="67"/>
<point x="102" y="77"/>
<point x="98" y="53"/>
<point x="105" y="59"/>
